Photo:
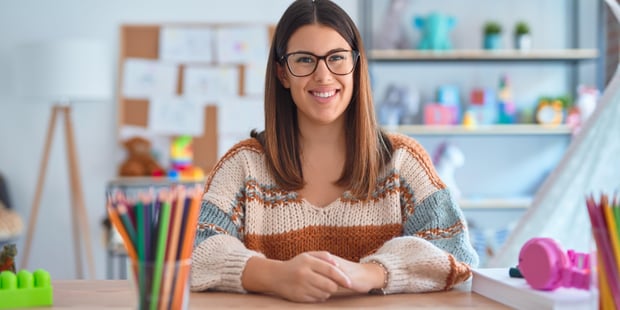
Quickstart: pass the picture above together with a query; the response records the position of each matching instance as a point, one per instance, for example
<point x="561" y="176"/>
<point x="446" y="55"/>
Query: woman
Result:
<point x="323" y="201"/>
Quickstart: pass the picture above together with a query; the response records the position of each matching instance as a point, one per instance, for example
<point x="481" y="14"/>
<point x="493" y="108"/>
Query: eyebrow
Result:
<point x="328" y="52"/>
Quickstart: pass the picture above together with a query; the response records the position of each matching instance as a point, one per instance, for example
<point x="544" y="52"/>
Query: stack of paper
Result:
<point x="496" y="284"/>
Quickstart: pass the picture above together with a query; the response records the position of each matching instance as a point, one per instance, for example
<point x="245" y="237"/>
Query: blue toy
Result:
<point x="435" y="29"/>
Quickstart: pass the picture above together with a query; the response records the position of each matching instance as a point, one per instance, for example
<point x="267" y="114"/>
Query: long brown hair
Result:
<point x="367" y="147"/>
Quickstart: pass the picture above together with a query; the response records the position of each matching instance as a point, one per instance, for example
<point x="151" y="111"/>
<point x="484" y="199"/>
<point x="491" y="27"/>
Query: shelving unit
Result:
<point x="496" y="203"/>
<point x="504" y="164"/>
<point x="517" y="129"/>
<point x="561" y="55"/>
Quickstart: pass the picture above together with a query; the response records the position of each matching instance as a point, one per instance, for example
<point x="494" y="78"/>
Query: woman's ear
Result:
<point x="283" y="76"/>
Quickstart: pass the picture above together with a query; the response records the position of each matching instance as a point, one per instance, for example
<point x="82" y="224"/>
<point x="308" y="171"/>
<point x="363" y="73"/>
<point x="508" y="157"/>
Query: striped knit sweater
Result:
<point x="411" y="224"/>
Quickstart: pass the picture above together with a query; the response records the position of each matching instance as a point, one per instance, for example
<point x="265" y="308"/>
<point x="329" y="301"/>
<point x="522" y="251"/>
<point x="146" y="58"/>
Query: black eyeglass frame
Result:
<point x="356" y="55"/>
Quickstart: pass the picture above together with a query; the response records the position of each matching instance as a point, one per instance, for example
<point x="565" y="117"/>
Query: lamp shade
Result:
<point x="76" y="70"/>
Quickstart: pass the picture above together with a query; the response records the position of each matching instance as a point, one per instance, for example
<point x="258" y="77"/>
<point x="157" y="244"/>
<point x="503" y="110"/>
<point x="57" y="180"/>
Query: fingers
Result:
<point x="331" y="270"/>
<point x="326" y="256"/>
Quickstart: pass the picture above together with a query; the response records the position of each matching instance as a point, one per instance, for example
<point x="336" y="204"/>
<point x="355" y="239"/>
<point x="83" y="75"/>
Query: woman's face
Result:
<point x="321" y="97"/>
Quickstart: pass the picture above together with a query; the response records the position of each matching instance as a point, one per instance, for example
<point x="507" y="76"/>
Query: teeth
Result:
<point x="325" y="94"/>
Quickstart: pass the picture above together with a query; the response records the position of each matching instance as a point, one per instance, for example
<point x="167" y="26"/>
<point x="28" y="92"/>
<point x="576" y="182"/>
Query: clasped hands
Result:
<point x="311" y="276"/>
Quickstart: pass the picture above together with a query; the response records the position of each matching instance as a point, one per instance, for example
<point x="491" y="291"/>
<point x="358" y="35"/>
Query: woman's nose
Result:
<point x="322" y="73"/>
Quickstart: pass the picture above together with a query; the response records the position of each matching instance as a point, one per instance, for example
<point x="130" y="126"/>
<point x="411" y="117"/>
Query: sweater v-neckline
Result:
<point x="328" y="206"/>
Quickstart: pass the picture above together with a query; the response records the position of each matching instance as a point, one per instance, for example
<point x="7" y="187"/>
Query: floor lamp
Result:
<point x="66" y="72"/>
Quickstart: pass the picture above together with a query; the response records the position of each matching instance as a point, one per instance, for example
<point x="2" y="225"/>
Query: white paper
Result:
<point x="211" y="83"/>
<point x="143" y="78"/>
<point x="186" y="44"/>
<point x="236" y="118"/>
<point x="254" y="78"/>
<point x="242" y="44"/>
<point x="176" y="116"/>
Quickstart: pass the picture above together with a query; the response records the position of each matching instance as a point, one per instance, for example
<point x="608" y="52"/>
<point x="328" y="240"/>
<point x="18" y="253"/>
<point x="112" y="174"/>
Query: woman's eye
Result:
<point x="336" y="57"/>
<point x="307" y="60"/>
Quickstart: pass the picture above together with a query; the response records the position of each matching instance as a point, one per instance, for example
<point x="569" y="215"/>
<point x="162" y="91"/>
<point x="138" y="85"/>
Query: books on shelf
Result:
<point x="496" y="284"/>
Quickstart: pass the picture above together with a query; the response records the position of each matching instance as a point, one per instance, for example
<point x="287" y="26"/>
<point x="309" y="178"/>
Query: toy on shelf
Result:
<point x="181" y="158"/>
<point x="25" y="289"/>
<point x="435" y="31"/>
<point x="448" y="96"/>
<point x="446" y="110"/>
<point x="586" y="101"/>
<point x="400" y="105"/>
<point x="505" y="106"/>
<point x="392" y="34"/>
<point x="392" y="108"/>
<point x="139" y="160"/>
<point x="483" y="106"/>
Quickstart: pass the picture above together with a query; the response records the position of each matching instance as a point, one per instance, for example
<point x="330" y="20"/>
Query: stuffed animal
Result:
<point x="392" y="34"/>
<point x="139" y="160"/>
<point x="435" y="31"/>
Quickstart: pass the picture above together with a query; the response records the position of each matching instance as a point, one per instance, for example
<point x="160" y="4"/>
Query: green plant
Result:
<point x="522" y="28"/>
<point x="492" y="27"/>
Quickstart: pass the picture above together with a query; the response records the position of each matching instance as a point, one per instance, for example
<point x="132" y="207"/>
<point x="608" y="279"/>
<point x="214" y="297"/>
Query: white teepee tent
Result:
<point x="591" y="165"/>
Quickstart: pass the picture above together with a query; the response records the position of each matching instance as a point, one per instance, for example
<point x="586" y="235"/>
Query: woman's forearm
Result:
<point x="258" y="274"/>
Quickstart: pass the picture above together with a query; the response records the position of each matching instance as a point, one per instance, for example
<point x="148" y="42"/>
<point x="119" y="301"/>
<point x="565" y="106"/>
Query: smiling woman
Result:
<point x="323" y="201"/>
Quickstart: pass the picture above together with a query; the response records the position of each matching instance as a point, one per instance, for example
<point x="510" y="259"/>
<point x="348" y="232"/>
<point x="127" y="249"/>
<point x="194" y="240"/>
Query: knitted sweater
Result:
<point x="411" y="224"/>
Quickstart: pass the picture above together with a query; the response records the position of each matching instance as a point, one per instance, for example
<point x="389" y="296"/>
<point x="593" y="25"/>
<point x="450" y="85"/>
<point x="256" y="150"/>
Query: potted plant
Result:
<point x="523" y="39"/>
<point x="492" y="35"/>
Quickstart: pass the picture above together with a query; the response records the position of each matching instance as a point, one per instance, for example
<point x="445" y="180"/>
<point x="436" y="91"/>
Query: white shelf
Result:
<point x="484" y="55"/>
<point x="516" y="129"/>
<point x="496" y="203"/>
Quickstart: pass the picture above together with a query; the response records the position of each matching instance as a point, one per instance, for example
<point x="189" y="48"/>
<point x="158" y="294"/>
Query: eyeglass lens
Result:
<point x="303" y="64"/>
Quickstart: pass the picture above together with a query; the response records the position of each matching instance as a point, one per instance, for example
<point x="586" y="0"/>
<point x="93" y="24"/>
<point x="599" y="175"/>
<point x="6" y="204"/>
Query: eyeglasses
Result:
<point x="302" y="64"/>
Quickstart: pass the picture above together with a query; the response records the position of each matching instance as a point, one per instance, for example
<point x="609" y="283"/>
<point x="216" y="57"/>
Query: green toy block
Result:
<point x="25" y="289"/>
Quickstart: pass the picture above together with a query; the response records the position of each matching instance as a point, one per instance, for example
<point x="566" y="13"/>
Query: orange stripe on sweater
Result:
<point x="351" y="243"/>
<point x="459" y="272"/>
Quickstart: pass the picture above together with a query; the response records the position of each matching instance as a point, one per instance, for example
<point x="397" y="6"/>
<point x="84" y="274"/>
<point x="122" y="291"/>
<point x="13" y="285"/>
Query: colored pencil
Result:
<point x="162" y="237"/>
<point x="604" y="248"/>
<point x="116" y="221"/>
<point x="187" y="247"/>
<point x="173" y="241"/>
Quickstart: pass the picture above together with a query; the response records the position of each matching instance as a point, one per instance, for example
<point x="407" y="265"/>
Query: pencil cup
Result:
<point x="162" y="286"/>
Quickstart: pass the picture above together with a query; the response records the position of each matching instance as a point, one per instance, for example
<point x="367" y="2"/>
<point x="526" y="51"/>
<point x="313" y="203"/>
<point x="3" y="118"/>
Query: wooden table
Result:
<point x="118" y="294"/>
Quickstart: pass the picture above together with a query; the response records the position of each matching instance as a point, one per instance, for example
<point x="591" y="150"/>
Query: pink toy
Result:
<point x="545" y="266"/>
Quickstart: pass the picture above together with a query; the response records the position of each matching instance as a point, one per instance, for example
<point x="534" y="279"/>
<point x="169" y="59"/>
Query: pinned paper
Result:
<point x="242" y="45"/>
<point x="176" y="116"/>
<point x="143" y="78"/>
<point x="186" y="44"/>
<point x="211" y="83"/>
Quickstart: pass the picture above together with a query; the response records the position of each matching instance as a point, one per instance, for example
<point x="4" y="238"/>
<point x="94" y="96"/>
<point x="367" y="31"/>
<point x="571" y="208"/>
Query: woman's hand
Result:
<point x="364" y="277"/>
<point x="308" y="277"/>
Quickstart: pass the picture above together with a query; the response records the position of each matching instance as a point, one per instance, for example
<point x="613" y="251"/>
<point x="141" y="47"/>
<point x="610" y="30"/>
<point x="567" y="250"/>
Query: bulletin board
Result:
<point x="143" y="42"/>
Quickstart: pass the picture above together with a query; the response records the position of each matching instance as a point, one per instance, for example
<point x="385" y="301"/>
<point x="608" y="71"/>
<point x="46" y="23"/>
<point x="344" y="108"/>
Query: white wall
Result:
<point x="23" y="123"/>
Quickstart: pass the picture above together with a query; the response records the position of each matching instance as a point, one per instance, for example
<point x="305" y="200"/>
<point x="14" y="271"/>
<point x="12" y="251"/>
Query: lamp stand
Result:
<point x="78" y="214"/>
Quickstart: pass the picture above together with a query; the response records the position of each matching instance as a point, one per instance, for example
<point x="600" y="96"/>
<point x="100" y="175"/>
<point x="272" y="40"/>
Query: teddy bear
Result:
<point x="139" y="160"/>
